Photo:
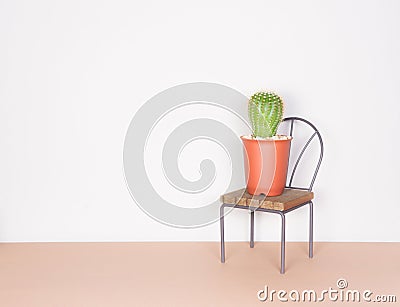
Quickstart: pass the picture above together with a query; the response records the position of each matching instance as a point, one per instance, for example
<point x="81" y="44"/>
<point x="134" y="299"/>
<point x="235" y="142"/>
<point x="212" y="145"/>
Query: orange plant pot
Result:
<point x="266" y="164"/>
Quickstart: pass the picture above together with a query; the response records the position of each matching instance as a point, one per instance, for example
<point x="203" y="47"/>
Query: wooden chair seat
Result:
<point x="289" y="199"/>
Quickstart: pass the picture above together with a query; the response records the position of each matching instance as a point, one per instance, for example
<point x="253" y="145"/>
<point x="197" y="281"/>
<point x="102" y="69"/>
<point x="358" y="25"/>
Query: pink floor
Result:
<point x="187" y="274"/>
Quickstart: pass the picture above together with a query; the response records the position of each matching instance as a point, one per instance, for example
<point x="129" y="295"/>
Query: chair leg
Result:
<point x="283" y="243"/>
<point x="251" y="229"/>
<point x="311" y="237"/>
<point x="221" y="221"/>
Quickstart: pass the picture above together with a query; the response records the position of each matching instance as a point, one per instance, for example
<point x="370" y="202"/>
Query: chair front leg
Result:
<point x="251" y="228"/>
<point x="283" y="243"/>
<point x="221" y="221"/>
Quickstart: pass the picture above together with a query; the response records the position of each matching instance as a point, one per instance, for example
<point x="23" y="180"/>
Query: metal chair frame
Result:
<point x="282" y="213"/>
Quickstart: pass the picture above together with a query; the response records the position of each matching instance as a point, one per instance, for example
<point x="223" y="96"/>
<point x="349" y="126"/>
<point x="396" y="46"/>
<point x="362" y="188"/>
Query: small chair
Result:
<point x="292" y="198"/>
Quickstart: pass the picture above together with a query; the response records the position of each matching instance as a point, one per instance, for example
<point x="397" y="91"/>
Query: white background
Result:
<point x="73" y="73"/>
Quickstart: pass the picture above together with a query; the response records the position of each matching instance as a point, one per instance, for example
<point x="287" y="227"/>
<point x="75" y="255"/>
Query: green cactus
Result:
<point x="265" y="113"/>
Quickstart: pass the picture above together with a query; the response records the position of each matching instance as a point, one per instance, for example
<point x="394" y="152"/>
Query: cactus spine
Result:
<point x="265" y="113"/>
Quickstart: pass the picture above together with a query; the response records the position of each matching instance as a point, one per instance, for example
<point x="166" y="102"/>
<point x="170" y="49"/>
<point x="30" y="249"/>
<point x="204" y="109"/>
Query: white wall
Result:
<point x="73" y="73"/>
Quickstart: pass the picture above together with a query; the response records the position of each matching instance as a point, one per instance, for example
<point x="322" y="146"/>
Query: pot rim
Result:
<point x="249" y="138"/>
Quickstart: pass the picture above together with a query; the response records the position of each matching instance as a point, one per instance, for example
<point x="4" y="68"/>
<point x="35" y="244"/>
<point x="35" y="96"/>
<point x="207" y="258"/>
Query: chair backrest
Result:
<point x="293" y="125"/>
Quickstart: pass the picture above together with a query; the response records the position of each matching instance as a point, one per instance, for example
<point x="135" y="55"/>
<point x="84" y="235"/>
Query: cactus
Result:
<point x="265" y="113"/>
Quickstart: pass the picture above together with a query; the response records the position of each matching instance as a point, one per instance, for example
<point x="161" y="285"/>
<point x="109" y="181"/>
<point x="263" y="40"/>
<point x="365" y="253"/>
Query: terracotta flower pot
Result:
<point x="266" y="164"/>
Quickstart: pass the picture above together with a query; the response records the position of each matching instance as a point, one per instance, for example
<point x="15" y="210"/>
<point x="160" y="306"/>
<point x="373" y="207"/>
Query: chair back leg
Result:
<point x="251" y="228"/>
<point x="311" y="238"/>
